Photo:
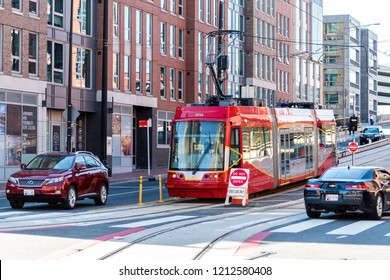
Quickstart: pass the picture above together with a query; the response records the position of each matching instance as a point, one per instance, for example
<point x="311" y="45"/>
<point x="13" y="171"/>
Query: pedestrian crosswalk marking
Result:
<point x="154" y="221"/>
<point x="295" y="228"/>
<point x="355" y="228"/>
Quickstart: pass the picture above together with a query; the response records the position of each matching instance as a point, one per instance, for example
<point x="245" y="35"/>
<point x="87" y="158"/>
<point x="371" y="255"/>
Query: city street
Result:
<point x="274" y="225"/>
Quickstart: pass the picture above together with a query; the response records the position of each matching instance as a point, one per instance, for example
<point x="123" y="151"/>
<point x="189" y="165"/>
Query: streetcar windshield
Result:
<point x="197" y="145"/>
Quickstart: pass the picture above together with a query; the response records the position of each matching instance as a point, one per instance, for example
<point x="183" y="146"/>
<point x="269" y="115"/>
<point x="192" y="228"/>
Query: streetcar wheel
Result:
<point x="16" y="204"/>
<point x="103" y="194"/>
<point x="70" y="201"/>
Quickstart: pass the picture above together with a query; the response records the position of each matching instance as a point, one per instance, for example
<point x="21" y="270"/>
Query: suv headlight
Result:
<point x="53" y="180"/>
<point x="13" y="180"/>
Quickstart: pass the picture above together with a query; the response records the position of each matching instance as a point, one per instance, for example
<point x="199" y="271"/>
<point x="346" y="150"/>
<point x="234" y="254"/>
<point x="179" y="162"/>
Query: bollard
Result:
<point x="160" y="186"/>
<point x="140" y="191"/>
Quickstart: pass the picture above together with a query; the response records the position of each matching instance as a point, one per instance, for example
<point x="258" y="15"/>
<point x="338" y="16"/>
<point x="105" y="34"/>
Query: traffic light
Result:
<point x="353" y="123"/>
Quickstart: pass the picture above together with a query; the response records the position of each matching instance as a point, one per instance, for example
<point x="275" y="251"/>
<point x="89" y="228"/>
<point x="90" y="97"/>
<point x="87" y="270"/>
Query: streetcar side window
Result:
<point x="234" y="157"/>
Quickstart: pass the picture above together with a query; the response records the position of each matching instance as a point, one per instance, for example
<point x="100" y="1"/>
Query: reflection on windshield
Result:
<point x="51" y="162"/>
<point x="197" y="146"/>
<point x="371" y="130"/>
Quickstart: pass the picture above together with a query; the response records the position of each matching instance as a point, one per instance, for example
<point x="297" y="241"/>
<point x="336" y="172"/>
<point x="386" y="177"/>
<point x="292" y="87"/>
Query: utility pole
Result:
<point x="219" y="58"/>
<point x="69" y="93"/>
<point x="103" y="136"/>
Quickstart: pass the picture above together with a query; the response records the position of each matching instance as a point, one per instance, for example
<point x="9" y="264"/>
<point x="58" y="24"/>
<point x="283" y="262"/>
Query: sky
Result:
<point x="366" y="12"/>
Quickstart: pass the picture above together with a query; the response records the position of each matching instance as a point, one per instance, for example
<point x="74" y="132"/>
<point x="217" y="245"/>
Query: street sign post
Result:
<point x="353" y="148"/>
<point x="238" y="185"/>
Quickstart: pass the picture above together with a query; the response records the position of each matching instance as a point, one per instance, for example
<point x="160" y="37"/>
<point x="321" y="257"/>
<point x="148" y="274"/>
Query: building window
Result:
<point x="127" y="23"/>
<point x="81" y="68"/>
<point x="163" y="127"/>
<point x="201" y="11"/>
<point x="163" y="37"/>
<point x="1" y="3"/>
<point x="149" y="30"/>
<point x="16" y="5"/>
<point x="55" y="62"/>
<point x="180" y="85"/>
<point x="148" y="77"/>
<point x="172" y="7"/>
<point x="181" y="9"/>
<point x="163" y="4"/>
<point x="115" y="70"/>
<point x="55" y="13"/>
<point x="115" y="19"/>
<point x="15" y="50"/>
<point x="181" y="43"/>
<point x="126" y="72"/>
<point x="33" y="7"/>
<point x="1" y="47"/>
<point x="162" y="82"/>
<point x="82" y="21"/>
<point x="200" y="48"/>
<point x="172" y="83"/>
<point x="138" y="74"/>
<point x="172" y="40"/>
<point x="138" y="27"/>
<point x="33" y="54"/>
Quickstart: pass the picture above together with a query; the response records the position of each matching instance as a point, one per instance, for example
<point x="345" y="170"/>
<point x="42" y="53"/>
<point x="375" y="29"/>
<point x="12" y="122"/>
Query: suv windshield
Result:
<point x="55" y="162"/>
<point x="371" y="130"/>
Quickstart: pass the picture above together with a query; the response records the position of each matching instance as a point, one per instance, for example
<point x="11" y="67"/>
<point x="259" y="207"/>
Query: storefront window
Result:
<point x="13" y="136"/>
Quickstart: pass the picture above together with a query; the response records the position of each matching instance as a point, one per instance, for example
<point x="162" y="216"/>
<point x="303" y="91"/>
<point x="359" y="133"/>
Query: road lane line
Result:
<point x="355" y="228"/>
<point x="155" y="221"/>
<point x="298" y="227"/>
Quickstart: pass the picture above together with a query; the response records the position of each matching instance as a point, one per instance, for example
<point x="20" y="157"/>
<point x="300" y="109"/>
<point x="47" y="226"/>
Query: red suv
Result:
<point x="59" y="177"/>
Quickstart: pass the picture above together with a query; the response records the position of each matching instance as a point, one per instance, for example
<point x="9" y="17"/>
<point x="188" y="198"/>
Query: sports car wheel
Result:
<point x="378" y="208"/>
<point x="312" y="214"/>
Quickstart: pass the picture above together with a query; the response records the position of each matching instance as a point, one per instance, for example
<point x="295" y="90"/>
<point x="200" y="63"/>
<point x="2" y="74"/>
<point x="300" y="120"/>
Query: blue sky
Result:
<point x="366" y="12"/>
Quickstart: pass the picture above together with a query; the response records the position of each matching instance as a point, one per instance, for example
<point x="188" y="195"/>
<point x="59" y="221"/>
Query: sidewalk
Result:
<point x="133" y="176"/>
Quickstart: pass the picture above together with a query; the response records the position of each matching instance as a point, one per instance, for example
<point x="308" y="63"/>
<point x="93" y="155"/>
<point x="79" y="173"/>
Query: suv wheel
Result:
<point x="70" y="201"/>
<point x="103" y="193"/>
<point x="16" y="204"/>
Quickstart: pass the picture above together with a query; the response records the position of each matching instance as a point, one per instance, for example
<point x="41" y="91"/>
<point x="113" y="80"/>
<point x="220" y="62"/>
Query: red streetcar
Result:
<point x="279" y="146"/>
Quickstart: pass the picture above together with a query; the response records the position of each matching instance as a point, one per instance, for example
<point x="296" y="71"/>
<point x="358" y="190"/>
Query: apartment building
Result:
<point x="350" y="68"/>
<point x="56" y="67"/>
<point x="22" y="82"/>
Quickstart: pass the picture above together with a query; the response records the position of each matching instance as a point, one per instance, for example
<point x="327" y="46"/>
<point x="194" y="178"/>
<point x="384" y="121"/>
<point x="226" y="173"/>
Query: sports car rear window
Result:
<point x="346" y="174"/>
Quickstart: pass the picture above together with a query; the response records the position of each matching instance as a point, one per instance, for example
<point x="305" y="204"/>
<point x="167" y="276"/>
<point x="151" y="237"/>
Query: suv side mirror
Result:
<point x="80" y="166"/>
<point x="23" y="166"/>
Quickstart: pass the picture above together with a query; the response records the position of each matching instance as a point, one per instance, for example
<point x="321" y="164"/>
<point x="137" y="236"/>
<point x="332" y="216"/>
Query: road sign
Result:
<point x="353" y="147"/>
<point x="238" y="185"/>
<point x="239" y="177"/>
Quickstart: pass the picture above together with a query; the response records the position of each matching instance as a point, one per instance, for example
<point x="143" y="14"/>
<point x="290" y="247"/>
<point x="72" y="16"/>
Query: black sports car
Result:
<point x="349" y="188"/>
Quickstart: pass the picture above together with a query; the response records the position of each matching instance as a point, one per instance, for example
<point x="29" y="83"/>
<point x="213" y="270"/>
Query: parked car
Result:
<point x="348" y="188"/>
<point x="371" y="134"/>
<point x="59" y="177"/>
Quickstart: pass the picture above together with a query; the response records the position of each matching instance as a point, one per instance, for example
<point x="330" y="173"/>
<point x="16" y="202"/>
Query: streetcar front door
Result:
<point x="285" y="150"/>
<point x="309" y="140"/>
